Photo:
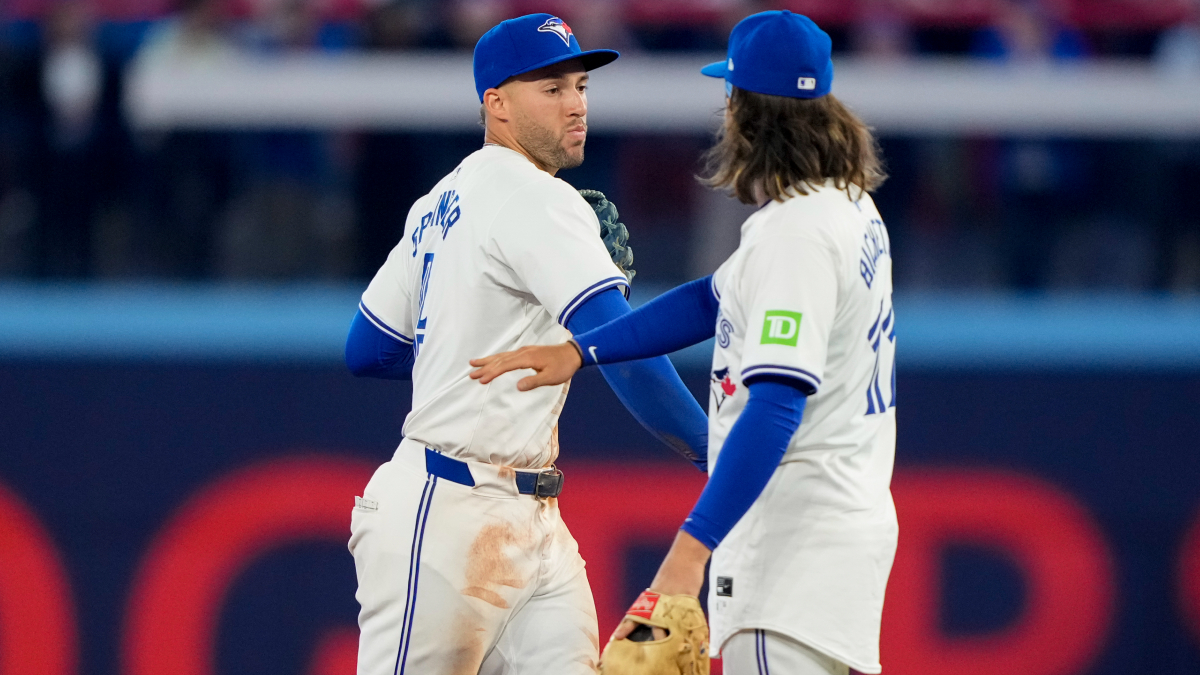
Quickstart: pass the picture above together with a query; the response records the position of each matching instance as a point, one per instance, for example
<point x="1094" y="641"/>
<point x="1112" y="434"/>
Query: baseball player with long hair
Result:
<point x="797" y="513"/>
<point x="464" y="564"/>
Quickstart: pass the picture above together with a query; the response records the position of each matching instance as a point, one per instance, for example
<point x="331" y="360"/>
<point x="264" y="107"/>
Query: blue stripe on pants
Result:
<point x="414" y="573"/>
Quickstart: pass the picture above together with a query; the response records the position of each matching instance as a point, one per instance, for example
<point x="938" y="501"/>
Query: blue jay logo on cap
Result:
<point x="558" y="27"/>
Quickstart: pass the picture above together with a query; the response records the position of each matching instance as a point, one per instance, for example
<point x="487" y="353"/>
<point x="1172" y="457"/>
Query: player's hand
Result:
<point x="553" y="365"/>
<point x="681" y="573"/>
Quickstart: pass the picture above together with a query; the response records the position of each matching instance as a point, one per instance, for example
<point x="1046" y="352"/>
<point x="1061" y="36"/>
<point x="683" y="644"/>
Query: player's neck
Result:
<point x="760" y="195"/>
<point x="507" y="141"/>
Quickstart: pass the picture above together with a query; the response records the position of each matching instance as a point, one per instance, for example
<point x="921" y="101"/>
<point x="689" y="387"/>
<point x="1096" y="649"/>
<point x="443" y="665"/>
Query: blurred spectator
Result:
<point x="674" y="25"/>
<point x="22" y="150"/>
<point x="1178" y="54"/>
<point x="290" y="214"/>
<point x="72" y="79"/>
<point x="882" y="33"/>
<point x="600" y="25"/>
<point x="285" y="25"/>
<point x="1027" y="213"/>
<point x="1178" y="48"/>
<point x="1028" y="30"/>
<point x="197" y="34"/>
<point x="191" y="171"/>
<point x="397" y="24"/>
<point x="298" y="25"/>
<point x="470" y="19"/>
<point x="72" y="74"/>
<point x="1034" y="176"/>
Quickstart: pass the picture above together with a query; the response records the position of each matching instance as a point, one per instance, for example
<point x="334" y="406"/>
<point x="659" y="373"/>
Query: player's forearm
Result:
<point x="679" y="318"/>
<point x="648" y="387"/>
<point x="682" y="571"/>
<point x="653" y="393"/>
<point x="752" y="451"/>
<point x="372" y="353"/>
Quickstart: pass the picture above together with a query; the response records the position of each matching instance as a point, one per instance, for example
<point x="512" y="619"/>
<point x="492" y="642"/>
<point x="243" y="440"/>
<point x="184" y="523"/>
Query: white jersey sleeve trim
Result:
<point x="786" y="371"/>
<point x="383" y="326"/>
<point x="603" y="285"/>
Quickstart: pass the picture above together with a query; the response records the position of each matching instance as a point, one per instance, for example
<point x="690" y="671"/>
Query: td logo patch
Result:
<point x="781" y="327"/>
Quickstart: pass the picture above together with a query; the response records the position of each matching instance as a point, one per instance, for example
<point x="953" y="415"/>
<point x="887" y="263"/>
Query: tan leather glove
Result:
<point x="684" y="651"/>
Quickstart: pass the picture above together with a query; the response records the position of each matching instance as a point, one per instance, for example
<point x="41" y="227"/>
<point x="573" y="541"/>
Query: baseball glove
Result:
<point x="612" y="231"/>
<point x="684" y="651"/>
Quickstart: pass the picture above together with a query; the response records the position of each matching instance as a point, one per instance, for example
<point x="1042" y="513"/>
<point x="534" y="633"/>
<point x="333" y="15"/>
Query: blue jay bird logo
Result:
<point x="558" y="27"/>
<point x="722" y="386"/>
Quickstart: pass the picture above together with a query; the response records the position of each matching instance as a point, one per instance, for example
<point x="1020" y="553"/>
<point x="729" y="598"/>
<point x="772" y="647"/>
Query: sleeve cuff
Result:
<point x="703" y="535"/>
<point x="810" y="381"/>
<point x="564" y="317"/>
<point x="378" y="323"/>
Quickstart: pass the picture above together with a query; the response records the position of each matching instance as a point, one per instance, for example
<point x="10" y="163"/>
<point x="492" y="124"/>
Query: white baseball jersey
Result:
<point x="497" y="256"/>
<point x="808" y="295"/>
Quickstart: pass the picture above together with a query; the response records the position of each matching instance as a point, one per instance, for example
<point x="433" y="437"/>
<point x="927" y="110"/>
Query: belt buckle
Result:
<point x="549" y="484"/>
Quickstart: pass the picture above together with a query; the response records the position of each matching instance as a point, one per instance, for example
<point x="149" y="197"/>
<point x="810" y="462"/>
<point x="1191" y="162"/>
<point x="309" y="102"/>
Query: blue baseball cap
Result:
<point x="527" y="43"/>
<point x="777" y="53"/>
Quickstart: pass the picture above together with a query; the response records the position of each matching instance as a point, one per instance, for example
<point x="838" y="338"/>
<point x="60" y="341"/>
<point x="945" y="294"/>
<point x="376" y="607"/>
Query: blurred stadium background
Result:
<point x="193" y="194"/>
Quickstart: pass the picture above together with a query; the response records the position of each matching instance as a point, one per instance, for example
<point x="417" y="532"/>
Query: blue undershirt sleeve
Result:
<point x="752" y="451"/>
<point x="681" y="317"/>
<point x="370" y="352"/>
<point x="649" y="388"/>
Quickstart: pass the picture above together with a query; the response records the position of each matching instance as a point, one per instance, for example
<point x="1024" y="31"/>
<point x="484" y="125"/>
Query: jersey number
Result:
<point x="882" y="338"/>
<point x="426" y="271"/>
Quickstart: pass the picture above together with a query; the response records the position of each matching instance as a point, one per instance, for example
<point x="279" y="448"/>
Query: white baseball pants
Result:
<point x="761" y="652"/>
<point x="459" y="580"/>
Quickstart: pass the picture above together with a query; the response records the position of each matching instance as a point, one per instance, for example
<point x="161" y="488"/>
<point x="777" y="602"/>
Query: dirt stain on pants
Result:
<point x="488" y="564"/>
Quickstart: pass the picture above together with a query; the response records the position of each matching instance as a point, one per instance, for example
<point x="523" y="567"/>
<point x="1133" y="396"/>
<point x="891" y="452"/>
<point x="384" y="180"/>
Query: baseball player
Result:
<point x="464" y="564"/>
<point x="797" y="512"/>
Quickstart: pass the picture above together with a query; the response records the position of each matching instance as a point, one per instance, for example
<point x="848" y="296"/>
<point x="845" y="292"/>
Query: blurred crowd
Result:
<point x="84" y="196"/>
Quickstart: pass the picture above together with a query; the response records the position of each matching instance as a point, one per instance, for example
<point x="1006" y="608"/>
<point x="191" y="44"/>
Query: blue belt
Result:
<point x="536" y="483"/>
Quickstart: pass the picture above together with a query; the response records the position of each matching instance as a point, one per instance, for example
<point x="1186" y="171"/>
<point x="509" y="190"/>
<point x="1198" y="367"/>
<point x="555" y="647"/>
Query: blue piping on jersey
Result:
<point x="787" y="371"/>
<point x="564" y="317"/>
<point x="383" y="326"/>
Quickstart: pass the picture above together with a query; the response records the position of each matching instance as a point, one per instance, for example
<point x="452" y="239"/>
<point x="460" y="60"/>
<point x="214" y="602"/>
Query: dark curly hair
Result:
<point x="786" y="145"/>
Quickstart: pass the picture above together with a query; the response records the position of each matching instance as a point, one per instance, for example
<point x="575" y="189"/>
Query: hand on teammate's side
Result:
<point x="553" y="365"/>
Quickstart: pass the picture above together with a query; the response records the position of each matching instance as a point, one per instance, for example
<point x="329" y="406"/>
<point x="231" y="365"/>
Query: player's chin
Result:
<point x="572" y="155"/>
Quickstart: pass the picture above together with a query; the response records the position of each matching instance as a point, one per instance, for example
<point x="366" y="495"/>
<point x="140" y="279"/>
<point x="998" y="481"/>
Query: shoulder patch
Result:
<point x="781" y="327"/>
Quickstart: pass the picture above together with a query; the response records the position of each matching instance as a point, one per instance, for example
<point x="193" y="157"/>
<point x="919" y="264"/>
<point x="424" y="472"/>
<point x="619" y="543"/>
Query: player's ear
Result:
<point x="495" y="104"/>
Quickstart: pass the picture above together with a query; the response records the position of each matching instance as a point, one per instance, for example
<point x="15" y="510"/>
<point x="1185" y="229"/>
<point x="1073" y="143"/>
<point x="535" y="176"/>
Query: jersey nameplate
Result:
<point x="875" y="246"/>
<point x="444" y="216"/>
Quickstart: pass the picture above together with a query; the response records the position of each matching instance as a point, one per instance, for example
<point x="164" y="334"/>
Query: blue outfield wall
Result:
<point x="122" y="407"/>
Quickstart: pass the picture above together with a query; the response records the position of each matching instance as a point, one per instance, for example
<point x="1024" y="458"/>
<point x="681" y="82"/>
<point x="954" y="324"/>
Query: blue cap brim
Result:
<point x="591" y="60"/>
<point x="717" y="69"/>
